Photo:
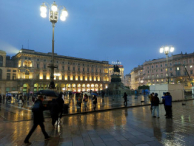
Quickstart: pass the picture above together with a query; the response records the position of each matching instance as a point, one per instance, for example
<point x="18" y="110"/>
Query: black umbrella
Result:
<point x="47" y="93"/>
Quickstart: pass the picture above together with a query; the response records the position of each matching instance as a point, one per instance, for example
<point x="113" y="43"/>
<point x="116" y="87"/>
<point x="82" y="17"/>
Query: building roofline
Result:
<point x="49" y="54"/>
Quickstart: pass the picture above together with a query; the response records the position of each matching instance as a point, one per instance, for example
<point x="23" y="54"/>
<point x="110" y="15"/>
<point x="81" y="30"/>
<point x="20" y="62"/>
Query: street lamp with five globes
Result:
<point x="166" y="50"/>
<point x="53" y="18"/>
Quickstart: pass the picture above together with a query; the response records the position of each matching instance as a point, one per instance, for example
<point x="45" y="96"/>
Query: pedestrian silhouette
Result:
<point x="38" y="119"/>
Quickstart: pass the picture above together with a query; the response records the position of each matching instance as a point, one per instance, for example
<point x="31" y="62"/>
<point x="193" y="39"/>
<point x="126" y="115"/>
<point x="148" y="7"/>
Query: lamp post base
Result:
<point x="52" y="84"/>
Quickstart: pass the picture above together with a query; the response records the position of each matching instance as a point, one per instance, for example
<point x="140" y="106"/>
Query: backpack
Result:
<point x="155" y="100"/>
<point x="36" y="107"/>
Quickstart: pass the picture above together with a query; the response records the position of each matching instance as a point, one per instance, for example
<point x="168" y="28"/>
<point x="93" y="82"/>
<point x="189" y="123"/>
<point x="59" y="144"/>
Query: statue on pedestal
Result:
<point x="116" y="68"/>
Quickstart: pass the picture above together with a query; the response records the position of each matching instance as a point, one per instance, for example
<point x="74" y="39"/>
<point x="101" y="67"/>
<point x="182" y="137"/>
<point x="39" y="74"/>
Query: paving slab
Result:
<point x="132" y="126"/>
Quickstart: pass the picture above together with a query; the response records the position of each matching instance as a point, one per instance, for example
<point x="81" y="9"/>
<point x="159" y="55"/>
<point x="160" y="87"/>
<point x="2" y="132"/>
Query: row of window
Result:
<point x="171" y="74"/>
<point x="9" y="70"/>
<point x="69" y="63"/>
<point x="74" y="78"/>
<point x="178" y="68"/>
<point x="184" y="62"/>
<point x="69" y="68"/>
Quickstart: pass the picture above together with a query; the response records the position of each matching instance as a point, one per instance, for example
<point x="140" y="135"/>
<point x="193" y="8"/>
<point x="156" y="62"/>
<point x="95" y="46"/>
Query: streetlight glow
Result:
<point x="64" y="12"/>
<point x="43" y="8"/>
<point x="166" y="49"/>
<point x="171" y="49"/>
<point x="62" y="18"/>
<point x="54" y="7"/>
<point x="161" y="50"/>
<point x="43" y="15"/>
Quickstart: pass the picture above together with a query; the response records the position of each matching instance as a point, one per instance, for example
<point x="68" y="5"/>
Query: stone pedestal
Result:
<point x="116" y="87"/>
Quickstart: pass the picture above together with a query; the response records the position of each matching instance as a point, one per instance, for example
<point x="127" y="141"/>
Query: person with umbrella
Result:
<point x="94" y="99"/>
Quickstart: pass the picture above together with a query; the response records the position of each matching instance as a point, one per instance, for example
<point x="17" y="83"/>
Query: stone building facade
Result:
<point x="28" y="72"/>
<point x="127" y="80"/>
<point x="178" y="70"/>
<point x="136" y="77"/>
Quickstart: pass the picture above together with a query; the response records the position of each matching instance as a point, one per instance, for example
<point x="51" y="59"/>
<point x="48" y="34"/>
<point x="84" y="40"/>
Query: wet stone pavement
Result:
<point x="121" y="127"/>
<point x="12" y="111"/>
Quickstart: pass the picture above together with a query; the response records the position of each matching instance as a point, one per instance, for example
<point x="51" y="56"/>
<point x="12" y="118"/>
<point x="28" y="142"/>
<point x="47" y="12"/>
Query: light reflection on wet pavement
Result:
<point x="12" y="111"/>
<point x="127" y="127"/>
<point x="15" y="112"/>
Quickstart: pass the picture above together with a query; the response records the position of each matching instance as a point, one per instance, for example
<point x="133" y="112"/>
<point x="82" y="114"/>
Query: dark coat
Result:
<point x="125" y="96"/>
<point x="155" y="101"/>
<point x="60" y="103"/>
<point x="38" y="116"/>
<point x="94" y="100"/>
<point x="54" y="107"/>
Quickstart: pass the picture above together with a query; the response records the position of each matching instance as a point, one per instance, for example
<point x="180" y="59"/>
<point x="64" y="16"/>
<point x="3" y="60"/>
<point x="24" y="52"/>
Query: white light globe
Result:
<point x="43" y="9"/>
<point x="64" y="13"/>
<point x="63" y="18"/>
<point x="43" y="15"/>
<point x="161" y="50"/>
<point x="171" y="49"/>
<point x="54" y="8"/>
<point x="166" y="49"/>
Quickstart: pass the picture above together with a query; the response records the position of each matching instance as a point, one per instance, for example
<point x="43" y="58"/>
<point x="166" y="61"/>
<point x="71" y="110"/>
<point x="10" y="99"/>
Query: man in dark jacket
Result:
<point x="38" y="119"/>
<point x="168" y="105"/>
<point x="60" y="103"/>
<point x="54" y="111"/>
<point x="125" y="98"/>
<point x="155" y="105"/>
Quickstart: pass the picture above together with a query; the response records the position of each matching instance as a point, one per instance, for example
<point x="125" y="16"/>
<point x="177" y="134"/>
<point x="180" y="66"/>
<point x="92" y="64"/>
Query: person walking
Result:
<point x="60" y="103"/>
<point x="163" y="101"/>
<point x="150" y="97"/>
<point x="103" y="94"/>
<point x="125" y="98"/>
<point x="38" y="119"/>
<point x="94" y="99"/>
<point x="85" y="100"/>
<point x="54" y="111"/>
<point x="79" y="101"/>
<point x="155" y="105"/>
<point x="168" y="105"/>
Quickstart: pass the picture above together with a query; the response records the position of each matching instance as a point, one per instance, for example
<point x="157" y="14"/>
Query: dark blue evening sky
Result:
<point x="130" y="31"/>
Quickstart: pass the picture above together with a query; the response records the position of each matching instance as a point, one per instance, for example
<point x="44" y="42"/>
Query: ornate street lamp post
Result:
<point x="166" y="50"/>
<point x="53" y="18"/>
